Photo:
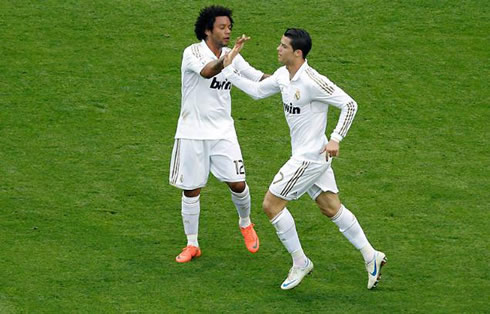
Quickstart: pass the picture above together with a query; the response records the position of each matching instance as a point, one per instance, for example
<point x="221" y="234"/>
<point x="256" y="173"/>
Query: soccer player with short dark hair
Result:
<point x="306" y="95"/>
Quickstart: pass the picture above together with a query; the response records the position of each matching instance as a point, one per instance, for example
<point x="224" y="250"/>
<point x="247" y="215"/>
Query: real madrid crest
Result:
<point x="297" y="94"/>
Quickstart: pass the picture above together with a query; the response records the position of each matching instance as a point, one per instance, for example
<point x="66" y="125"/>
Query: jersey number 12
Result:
<point x="239" y="166"/>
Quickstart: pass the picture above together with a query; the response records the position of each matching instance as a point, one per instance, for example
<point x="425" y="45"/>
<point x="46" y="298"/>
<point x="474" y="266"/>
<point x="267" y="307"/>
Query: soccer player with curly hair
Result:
<point x="206" y="140"/>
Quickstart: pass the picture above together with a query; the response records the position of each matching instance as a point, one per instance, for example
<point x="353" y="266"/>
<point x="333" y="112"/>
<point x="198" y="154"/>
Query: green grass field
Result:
<point x="89" y="101"/>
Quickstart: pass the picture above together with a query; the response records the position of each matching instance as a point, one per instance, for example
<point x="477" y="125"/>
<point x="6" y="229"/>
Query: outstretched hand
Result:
<point x="236" y="50"/>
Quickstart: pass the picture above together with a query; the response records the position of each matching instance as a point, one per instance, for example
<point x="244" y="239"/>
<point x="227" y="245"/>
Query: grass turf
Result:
<point x="89" y="99"/>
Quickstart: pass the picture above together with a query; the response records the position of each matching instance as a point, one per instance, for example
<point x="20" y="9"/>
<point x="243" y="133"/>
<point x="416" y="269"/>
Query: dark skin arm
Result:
<point x="215" y="67"/>
<point x="212" y="68"/>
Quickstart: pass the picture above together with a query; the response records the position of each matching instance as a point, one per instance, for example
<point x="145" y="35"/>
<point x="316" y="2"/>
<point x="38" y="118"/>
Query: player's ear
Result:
<point x="298" y="53"/>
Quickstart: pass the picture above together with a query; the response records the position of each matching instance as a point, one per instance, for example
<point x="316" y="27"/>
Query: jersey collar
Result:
<point x="209" y="52"/>
<point x="300" y="70"/>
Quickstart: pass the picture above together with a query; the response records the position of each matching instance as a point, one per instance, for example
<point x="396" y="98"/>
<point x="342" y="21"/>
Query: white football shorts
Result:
<point x="298" y="176"/>
<point x="192" y="160"/>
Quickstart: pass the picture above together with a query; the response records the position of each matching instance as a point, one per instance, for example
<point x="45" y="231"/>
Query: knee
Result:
<point x="192" y="193"/>
<point x="266" y="206"/>
<point x="237" y="187"/>
<point x="329" y="204"/>
<point x="269" y="209"/>
<point x="329" y="210"/>
<point x="272" y="205"/>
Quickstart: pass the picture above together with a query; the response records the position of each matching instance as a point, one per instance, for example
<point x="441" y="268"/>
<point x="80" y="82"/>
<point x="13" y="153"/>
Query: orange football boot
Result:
<point x="188" y="253"/>
<point x="251" y="238"/>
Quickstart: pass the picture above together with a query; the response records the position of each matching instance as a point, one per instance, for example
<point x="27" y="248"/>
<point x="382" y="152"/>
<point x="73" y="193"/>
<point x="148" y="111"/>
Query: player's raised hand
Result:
<point x="240" y="41"/>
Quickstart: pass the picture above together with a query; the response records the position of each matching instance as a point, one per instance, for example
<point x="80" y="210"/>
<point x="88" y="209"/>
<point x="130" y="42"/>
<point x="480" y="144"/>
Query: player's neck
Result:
<point x="216" y="49"/>
<point x="294" y="67"/>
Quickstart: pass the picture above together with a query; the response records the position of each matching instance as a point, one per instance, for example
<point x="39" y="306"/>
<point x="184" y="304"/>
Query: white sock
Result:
<point x="242" y="204"/>
<point x="190" y="218"/>
<point x="368" y="253"/>
<point x="350" y="228"/>
<point x="286" y="231"/>
<point x="192" y="240"/>
<point x="299" y="258"/>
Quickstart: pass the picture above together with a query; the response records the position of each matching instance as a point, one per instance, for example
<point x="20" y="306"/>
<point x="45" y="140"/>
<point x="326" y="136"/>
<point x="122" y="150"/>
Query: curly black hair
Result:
<point x="207" y="17"/>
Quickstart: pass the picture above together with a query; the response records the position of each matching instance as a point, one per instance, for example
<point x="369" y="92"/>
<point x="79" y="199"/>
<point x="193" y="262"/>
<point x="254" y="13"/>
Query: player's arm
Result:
<point x="212" y="68"/>
<point x="215" y="67"/>
<point x="245" y="69"/>
<point x="257" y="90"/>
<point x="195" y="60"/>
<point x="332" y="95"/>
<point x="347" y="114"/>
<point x="264" y="76"/>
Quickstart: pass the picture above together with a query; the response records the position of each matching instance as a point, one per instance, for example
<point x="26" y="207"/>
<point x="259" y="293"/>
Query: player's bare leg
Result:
<point x="190" y="218"/>
<point x="282" y="220"/>
<point x="330" y="205"/>
<point x="240" y="195"/>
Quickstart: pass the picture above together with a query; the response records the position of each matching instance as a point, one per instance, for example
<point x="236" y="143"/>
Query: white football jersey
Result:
<point x="305" y="101"/>
<point x="206" y="103"/>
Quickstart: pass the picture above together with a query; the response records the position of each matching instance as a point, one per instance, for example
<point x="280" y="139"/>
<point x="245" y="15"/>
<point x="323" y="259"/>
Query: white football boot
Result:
<point x="374" y="269"/>
<point x="296" y="274"/>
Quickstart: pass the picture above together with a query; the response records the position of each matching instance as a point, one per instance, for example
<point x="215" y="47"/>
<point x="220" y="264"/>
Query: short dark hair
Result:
<point x="300" y="39"/>
<point x="207" y="17"/>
